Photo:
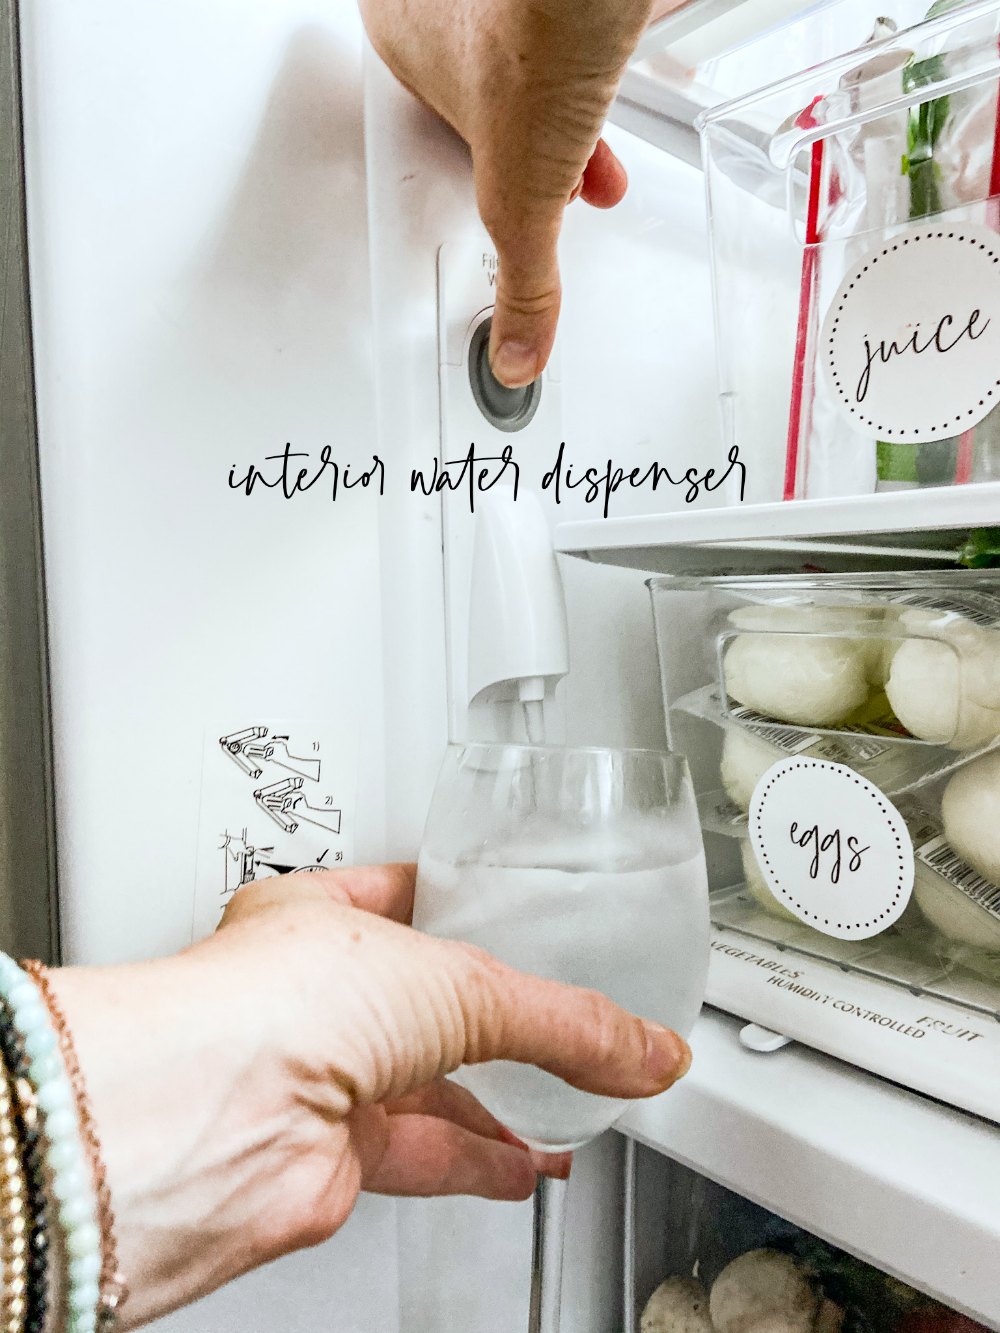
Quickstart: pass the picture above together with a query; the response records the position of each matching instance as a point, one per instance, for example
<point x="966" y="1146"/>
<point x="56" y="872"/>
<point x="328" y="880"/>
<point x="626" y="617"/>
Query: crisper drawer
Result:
<point x="844" y="738"/>
<point x="706" y="1260"/>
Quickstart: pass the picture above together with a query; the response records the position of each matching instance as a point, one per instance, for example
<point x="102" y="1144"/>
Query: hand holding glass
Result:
<point x="584" y="866"/>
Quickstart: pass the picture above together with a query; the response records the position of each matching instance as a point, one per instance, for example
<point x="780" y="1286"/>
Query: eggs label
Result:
<point x="911" y="342"/>
<point x="832" y="847"/>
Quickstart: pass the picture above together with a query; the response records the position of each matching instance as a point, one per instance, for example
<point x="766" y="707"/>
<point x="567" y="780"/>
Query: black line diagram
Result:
<point x="241" y="866"/>
<point x="253" y="746"/>
<point x="285" y="803"/>
<point x="245" y="862"/>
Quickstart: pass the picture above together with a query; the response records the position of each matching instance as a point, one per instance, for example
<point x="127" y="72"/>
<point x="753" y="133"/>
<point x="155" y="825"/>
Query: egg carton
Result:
<point x="950" y="930"/>
<point x="754" y="741"/>
<point x="911" y="955"/>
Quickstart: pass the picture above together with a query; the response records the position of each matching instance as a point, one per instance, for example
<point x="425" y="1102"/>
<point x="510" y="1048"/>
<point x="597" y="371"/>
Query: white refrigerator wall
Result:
<point x="201" y="296"/>
<point x="198" y="261"/>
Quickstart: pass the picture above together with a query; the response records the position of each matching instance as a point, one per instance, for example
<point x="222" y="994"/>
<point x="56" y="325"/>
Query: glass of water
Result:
<point x="584" y="866"/>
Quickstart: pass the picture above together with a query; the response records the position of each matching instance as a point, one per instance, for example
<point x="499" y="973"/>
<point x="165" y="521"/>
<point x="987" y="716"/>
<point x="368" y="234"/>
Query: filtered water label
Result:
<point x="911" y="342"/>
<point x="832" y="847"/>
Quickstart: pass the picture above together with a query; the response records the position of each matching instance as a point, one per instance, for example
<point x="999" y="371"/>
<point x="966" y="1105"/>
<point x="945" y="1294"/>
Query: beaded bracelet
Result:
<point x="111" y="1283"/>
<point x="64" y="1155"/>
<point x="14" y="1195"/>
<point x="29" y="1241"/>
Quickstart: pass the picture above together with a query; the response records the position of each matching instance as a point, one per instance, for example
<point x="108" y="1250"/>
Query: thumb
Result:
<point x="528" y="299"/>
<point x="579" y="1035"/>
<point x="528" y="287"/>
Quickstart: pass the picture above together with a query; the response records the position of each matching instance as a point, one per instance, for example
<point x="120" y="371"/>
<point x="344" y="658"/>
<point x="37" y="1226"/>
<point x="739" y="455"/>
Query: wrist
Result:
<point x="196" y="1116"/>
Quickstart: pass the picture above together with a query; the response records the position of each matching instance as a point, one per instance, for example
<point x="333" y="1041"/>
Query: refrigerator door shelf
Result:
<point x="896" y="530"/>
<point x="898" y="1180"/>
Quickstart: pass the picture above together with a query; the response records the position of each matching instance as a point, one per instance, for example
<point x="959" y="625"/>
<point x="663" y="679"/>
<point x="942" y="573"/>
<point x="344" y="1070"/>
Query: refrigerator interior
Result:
<point x="173" y="344"/>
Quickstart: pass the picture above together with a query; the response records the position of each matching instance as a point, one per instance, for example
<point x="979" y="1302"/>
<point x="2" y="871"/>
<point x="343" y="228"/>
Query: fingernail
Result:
<point x="668" y="1057"/>
<point x="515" y="364"/>
<point x="556" y="1165"/>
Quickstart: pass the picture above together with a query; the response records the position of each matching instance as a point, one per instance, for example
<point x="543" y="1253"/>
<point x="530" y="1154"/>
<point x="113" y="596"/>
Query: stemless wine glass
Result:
<point x="585" y="866"/>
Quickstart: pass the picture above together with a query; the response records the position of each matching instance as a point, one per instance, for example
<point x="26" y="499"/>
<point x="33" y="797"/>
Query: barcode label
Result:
<point x="982" y="610"/>
<point x="793" y="740"/>
<point x="858" y="752"/>
<point x="940" y="856"/>
<point x="790" y="739"/>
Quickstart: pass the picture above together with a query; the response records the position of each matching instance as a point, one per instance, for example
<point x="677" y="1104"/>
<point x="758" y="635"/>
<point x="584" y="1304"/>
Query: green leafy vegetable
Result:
<point x="932" y="463"/>
<point x="981" y="550"/>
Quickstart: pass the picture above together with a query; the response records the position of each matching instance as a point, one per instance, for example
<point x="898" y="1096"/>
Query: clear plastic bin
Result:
<point x="703" y="1251"/>
<point x="894" y="678"/>
<point x="852" y="213"/>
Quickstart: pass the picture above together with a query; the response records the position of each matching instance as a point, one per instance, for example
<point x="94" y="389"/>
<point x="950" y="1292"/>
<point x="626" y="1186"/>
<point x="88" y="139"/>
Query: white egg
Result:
<point x="946" y="688"/>
<point x="952" y="913"/>
<point x="758" y="888"/>
<point x="865" y="623"/>
<point x="800" y="678"/>
<point x="745" y="760"/>
<point x="795" y="618"/>
<point x="970" y="811"/>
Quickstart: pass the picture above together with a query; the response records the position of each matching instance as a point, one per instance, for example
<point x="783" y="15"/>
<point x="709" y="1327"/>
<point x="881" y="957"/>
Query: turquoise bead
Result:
<point x="84" y="1297"/>
<point x="56" y="1095"/>
<point x="39" y="1042"/>
<point x="30" y="1016"/>
<point x="65" y="1159"/>
<point x="60" y="1124"/>
<point x="83" y="1238"/>
<point x="63" y="1155"/>
<point x="85" y="1268"/>
<point x="30" y="1012"/>
<point x="76" y="1210"/>
<point x="46" y="1067"/>
<point x="69" y="1184"/>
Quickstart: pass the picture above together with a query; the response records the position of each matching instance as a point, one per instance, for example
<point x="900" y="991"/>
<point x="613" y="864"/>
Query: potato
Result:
<point x="970" y="811"/>
<point x="764" y="1289"/>
<point x="745" y="759"/>
<point x="678" y="1305"/>
<point x="830" y="1318"/>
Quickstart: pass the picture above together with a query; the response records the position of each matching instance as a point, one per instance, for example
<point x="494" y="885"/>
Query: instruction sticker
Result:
<point x="911" y="343"/>
<point x="276" y="796"/>
<point x="832" y="847"/>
